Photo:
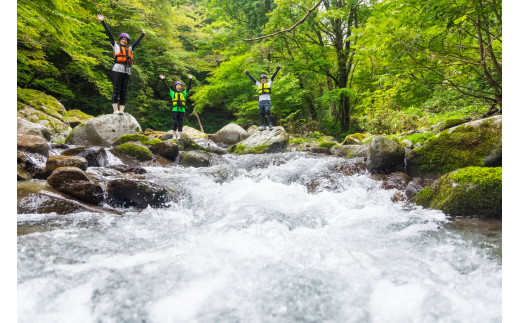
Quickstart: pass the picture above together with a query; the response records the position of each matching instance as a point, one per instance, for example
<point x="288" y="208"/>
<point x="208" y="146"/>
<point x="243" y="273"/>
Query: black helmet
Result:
<point x="263" y="76"/>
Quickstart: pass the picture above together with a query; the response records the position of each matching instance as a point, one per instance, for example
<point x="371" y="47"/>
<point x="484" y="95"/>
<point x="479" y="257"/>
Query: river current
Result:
<point x="260" y="238"/>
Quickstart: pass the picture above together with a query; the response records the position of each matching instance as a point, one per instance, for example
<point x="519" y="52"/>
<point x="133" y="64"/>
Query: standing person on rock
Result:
<point x="264" y="96"/>
<point x="124" y="58"/>
<point x="179" y="98"/>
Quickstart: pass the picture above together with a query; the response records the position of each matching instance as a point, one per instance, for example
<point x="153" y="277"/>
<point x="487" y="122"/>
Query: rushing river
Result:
<point x="269" y="238"/>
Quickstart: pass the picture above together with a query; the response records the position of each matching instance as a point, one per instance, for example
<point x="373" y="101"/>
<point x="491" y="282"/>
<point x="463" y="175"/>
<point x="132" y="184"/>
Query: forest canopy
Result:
<point x="347" y="65"/>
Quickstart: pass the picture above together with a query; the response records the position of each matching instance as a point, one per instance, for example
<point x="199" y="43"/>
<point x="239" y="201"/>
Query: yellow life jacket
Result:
<point x="264" y="89"/>
<point x="178" y="99"/>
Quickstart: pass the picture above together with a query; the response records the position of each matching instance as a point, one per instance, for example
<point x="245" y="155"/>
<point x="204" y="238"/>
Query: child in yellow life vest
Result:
<point x="179" y="98"/>
<point x="124" y="57"/>
<point x="264" y="96"/>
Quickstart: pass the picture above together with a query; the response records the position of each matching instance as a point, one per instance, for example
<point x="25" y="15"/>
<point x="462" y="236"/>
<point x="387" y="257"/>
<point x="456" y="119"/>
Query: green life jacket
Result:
<point x="264" y="89"/>
<point x="179" y="100"/>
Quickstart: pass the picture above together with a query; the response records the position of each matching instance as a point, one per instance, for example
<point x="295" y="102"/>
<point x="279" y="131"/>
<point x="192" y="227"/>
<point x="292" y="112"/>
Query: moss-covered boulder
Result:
<point x="144" y="139"/>
<point x="261" y="142"/>
<point x="187" y="143"/>
<point x="133" y="150"/>
<point x="476" y="143"/>
<point x="103" y="131"/>
<point x="75" y="182"/>
<point x="470" y="191"/>
<point x="38" y="107"/>
<point x="354" y="139"/>
<point x="76" y="117"/>
<point x="195" y="158"/>
<point x="384" y="155"/>
<point x="230" y="134"/>
<point x="54" y="162"/>
<point x="127" y="193"/>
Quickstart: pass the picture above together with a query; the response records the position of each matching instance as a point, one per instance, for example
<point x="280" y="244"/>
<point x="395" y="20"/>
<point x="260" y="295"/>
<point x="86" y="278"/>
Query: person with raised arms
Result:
<point x="264" y="96"/>
<point x="123" y="60"/>
<point x="179" y="98"/>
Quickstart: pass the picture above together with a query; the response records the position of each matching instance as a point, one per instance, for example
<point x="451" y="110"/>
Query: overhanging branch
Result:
<point x="288" y="29"/>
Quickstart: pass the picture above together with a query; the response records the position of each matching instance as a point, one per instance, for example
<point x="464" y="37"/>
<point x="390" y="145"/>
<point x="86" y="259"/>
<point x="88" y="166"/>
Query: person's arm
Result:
<point x="277" y="69"/>
<point x="134" y="45"/>
<point x="188" y="87"/>
<point x="162" y="77"/>
<point x="252" y="78"/>
<point x="107" y="30"/>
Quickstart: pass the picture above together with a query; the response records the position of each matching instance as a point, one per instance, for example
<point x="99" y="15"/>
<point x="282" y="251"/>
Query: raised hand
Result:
<point x="144" y="32"/>
<point x="190" y="76"/>
<point x="100" y="17"/>
<point x="279" y="66"/>
<point x="161" y="77"/>
<point x="245" y="71"/>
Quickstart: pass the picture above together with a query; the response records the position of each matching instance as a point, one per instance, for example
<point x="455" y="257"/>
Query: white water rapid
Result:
<point x="248" y="242"/>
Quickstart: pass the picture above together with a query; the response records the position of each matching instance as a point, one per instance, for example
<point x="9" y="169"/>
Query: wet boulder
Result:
<point x="25" y="127"/>
<point x="95" y="156"/>
<point x="39" y="197"/>
<point x="261" y="142"/>
<point x="168" y="149"/>
<point x="194" y="133"/>
<point x="195" y="158"/>
<point x="470" y="191"/>
<point x="354" y="139"/>
<point x="75" y="182"/>
<point x="54" y="162"/>
<point x="127" y="193"/>
<point x="476" y="143"/>
<point x="30" y="165"/>
<point x="230" y="134"/>
<point x="33" y="144"/>
<point x="384" y="155"/>
<point x="104" y="130"/>
<point x="129" y="169"/>
<point x="348" y="151"/>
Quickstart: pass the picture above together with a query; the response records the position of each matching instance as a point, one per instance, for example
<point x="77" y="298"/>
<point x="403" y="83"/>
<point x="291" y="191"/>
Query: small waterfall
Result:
<point x="260" y="238"/>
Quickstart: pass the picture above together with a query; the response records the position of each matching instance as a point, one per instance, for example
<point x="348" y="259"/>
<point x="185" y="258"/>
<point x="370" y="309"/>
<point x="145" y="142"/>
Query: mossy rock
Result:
<point x="133" y="150"/>
<point x="132" y="137"/>
<point x="470" y="191"/>
<point x="418" y="138"/>
<point x="354" y="139"/>
<point x="472" y="144"/>
<point x="327" y="144"/>
<point x="196" y="159"/>
<point x="76" y="117"/>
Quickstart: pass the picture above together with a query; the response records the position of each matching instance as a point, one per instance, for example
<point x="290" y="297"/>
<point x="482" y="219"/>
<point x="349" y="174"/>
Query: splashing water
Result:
<point x="249" y="241"/>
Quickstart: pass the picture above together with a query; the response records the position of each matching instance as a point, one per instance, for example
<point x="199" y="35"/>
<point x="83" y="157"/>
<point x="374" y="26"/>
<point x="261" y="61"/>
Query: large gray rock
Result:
<point x="260" y="142"/>
<point x="384" y="156"/>
<point x="75" y="182"/>
<point x="32" y="144"/>
<point x="230" y="134"/>
<point x="195" y="158"/>
<point x="103" y="131"/>
<point x="25" y="127"/>
<point x="127" y="192"/>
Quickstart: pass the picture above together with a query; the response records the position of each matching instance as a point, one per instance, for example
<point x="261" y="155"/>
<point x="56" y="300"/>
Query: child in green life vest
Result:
<point x="179" y="98"/>
<point x="264" y="96"/>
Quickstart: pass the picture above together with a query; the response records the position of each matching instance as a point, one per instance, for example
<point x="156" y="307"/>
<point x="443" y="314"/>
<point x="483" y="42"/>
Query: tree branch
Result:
<point x="289" y="29"/>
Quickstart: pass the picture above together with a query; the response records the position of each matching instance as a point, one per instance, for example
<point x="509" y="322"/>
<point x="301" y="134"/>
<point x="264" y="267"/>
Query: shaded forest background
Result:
<point x="347" y="65"/>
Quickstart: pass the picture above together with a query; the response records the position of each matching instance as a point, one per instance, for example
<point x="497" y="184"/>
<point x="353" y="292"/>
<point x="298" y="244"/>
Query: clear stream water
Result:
<point x="248" y="242"/>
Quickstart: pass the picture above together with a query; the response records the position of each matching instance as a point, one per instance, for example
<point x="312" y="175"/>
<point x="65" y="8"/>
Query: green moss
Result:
<point x="464" y="146"/>
<point x="452" y="123"/>
<point x="40" y="101"/>
<point x="151" y="142"/>
<point x="258" y="150"/>
<point x="134" y="151"/>
<point x="299" y="140"/>
<point x="133" y="137"/>
<point x="467" y="191"/>
<point x="243" y="149"/>
<point x="418" y="138"/>
<point x="327" y="144"/>
<point x="78" y="115"/>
